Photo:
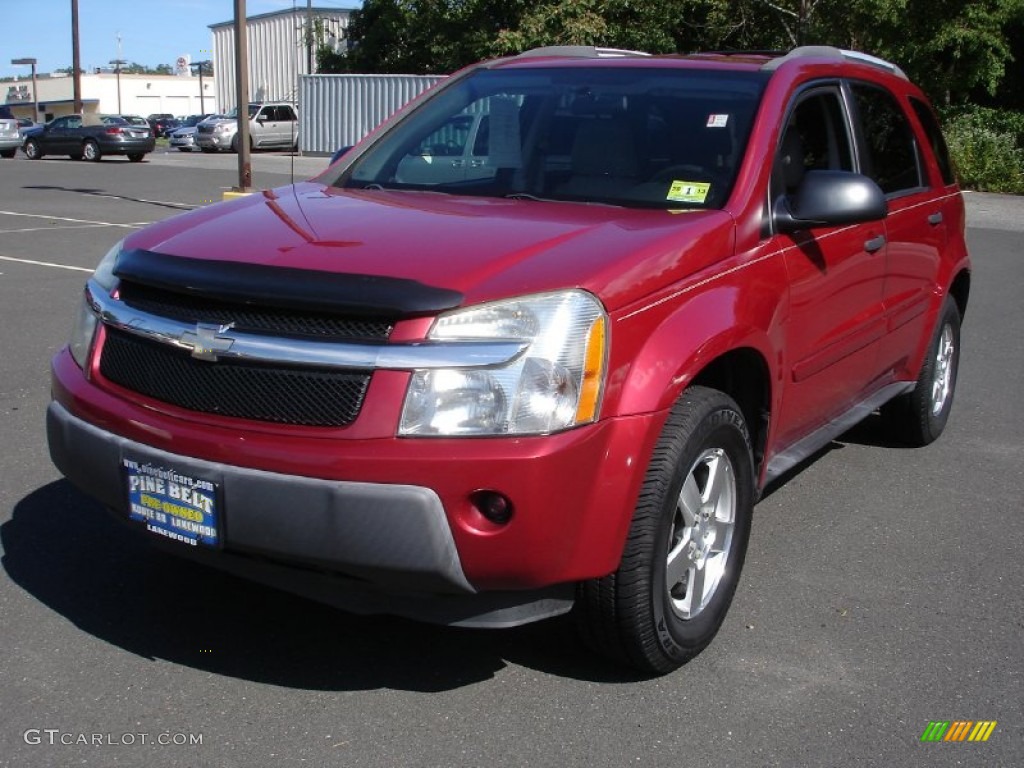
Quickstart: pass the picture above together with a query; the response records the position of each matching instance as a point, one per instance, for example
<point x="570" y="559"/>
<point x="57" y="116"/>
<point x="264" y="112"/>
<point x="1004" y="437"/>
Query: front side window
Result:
<point x="627" y="136"/>
<point x="815" y="138"/>
<point x="890" y="154"/>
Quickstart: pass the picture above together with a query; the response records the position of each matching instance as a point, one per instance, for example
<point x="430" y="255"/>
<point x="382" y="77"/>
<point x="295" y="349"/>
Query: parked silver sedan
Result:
<point x="184" y="137"/>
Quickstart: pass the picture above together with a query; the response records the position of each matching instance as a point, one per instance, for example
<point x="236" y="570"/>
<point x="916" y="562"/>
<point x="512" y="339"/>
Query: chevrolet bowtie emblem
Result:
<point x="206" y="342"/>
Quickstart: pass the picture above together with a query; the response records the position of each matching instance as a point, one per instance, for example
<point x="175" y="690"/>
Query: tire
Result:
<point x="641" y="615"/>
<point x="91" y="151"/>
<point x="207" y="150"/>
<point x="235" y="144"/>
<point x="32" y="151"/>
<point x="8" y="153"/>
<point x="136" y="157"/>
<point x="919" y="417"/>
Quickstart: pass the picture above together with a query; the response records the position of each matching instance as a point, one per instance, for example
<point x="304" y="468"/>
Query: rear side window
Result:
<point x="935" y="139"/>
<point x="889" y="154"/>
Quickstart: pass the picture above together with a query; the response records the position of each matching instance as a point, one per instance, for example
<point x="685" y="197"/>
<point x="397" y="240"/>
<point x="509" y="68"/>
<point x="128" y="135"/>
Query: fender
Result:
<point x="741" y="308"/>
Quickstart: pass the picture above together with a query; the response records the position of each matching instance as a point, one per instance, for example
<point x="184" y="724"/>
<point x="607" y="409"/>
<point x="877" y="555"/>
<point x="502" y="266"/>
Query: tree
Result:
<point x="950" y="47"/>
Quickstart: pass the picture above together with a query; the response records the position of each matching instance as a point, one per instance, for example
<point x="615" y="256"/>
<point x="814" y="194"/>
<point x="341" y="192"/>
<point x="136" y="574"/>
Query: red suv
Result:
<point x="536" y="344"/>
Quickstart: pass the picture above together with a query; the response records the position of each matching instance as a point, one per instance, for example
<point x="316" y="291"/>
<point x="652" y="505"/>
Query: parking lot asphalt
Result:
<point x="883" y="590"/>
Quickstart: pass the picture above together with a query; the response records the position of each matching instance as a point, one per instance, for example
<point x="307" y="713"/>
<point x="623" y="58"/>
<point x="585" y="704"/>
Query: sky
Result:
<point x="152" y="31"/>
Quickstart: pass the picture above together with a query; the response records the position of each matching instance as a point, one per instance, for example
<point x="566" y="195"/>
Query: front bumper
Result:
<point x="214" y="140"/>
<point x="572" y="493"/>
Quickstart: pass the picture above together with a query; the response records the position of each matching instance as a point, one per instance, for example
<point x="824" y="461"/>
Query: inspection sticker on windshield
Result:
<point x="718" y="121"/>
<point x="171" y="504"/>
<point x="688" y="191"/>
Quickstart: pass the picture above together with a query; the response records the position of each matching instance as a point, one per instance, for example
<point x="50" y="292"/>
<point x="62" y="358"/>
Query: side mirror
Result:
<point x="830" y="198"/>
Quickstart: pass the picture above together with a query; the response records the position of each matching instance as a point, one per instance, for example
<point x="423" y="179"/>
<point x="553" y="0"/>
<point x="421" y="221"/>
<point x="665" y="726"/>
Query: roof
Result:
<point x="299" y="11"/>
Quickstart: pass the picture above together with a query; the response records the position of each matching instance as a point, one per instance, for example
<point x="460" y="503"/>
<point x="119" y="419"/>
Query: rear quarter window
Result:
<point x="935" y="139"/>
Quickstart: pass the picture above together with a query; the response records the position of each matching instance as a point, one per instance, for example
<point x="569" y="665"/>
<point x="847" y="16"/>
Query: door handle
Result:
<point x="457" y="163"/>
<point x="935" y="219"/>
<point x="875" y="244"/>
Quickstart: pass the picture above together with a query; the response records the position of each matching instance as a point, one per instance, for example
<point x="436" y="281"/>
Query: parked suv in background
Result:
<point x="535" y="345"/>
<point x="10" y="137"/>
<point x="270" y="125"/>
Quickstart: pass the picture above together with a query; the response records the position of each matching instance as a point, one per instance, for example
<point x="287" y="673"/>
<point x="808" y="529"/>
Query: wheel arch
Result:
<point x="960" y="290"/>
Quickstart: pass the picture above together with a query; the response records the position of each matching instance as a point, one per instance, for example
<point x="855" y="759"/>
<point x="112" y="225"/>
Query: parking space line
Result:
<point x="137" y="225"/>
<point x="47" y="264"/>
<point x="51" y="229"/>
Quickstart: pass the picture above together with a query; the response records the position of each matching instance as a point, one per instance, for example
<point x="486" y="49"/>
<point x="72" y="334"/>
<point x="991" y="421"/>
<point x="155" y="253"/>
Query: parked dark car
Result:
<point x="161" y="123"/>
<point x="90" y="137"/>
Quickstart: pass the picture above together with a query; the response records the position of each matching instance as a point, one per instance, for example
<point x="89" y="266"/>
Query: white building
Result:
<point x="278" y="52"/>
<point x="109" y="93"/>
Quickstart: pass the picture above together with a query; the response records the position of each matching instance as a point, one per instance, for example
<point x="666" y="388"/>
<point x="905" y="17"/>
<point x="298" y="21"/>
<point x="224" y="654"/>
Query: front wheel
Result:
<point x="919" y="417"/>
<point x="32" y="151"/>
<point x="686" y="545"/>
<point x="91" y="151"/>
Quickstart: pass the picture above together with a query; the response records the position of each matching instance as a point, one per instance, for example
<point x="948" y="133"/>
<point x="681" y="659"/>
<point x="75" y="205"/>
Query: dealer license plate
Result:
<point x="173" y="504"/>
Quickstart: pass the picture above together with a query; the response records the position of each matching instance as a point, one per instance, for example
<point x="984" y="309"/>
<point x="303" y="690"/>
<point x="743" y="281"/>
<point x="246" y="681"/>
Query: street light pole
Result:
<point x="35" y="90"/>
<point x="201" y="65"/>
<point x="118" y="63"/>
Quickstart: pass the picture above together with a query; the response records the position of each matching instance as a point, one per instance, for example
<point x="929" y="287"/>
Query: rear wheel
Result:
<point x="91" y="151"/>
<point x="686" y="545"/>
<point x="136" y="157"/>
<point x="32" y="151"/>
<point x="8" y="153"/>
<point x="919" y="417"/>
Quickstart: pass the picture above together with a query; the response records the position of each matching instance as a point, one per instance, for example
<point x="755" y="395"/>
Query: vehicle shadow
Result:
<point x="105" y="578"/>
<point x="104" y="193"/>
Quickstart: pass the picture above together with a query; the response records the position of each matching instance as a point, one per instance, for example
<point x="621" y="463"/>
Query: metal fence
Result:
<point x="338" y="110"/>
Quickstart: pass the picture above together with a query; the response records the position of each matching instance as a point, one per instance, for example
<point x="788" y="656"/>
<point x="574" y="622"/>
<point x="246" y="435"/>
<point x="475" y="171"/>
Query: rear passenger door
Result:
<point x="891" y="154"/>
<point x="836" y="274"/>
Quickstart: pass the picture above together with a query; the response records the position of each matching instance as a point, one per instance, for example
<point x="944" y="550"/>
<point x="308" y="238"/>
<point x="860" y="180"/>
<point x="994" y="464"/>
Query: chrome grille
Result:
<point x="283" y="395"/>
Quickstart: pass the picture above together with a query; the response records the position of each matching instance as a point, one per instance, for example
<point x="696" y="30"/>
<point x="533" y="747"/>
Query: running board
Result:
<point x="800" y="450"/>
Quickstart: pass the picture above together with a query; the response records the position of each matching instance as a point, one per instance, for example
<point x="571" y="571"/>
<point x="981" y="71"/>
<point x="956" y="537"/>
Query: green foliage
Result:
<point x="987" y="146"/>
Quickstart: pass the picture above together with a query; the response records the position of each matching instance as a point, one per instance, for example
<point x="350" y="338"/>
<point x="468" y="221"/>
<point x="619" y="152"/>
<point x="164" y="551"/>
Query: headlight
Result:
<point x="85" y="323"/>
<point x="555" y="384"/>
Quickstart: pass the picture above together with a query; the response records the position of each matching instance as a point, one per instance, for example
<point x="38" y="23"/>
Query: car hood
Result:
<point x="484" y="248"/>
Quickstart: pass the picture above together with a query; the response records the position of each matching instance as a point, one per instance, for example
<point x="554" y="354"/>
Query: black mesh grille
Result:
<point x="261" y="319"/>
<point x="244" y="390"/>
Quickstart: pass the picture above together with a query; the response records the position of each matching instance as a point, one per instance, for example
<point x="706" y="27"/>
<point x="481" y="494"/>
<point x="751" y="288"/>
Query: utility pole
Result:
<point x="118" y="63"/>
<point x="242" y="97"/>
<point x="76" y="59"/>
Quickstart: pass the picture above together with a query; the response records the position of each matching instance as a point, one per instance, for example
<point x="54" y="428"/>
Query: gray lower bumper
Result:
<point x="394" y="535"/>
<point x="364" y="547"/>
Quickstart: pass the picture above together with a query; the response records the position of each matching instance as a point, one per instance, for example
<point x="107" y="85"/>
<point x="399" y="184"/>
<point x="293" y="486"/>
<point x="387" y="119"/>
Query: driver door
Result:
<point x="836" y="276"/>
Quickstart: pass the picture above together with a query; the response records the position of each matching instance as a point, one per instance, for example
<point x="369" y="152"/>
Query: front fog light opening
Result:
<point x="494" y="506"/>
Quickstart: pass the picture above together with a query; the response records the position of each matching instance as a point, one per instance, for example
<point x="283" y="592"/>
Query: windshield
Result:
<point x="253" y="109"/>
<point x="666" y="138"/>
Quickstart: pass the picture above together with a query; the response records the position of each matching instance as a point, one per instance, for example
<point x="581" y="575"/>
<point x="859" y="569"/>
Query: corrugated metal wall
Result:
<point x="277" y="56"/>
<point x="338" y="110"/>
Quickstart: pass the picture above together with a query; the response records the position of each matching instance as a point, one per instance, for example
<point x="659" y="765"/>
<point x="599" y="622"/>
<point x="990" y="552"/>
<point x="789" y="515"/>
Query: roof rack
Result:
<point x="579" y="51"/>
<point x="836" y="54"/>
